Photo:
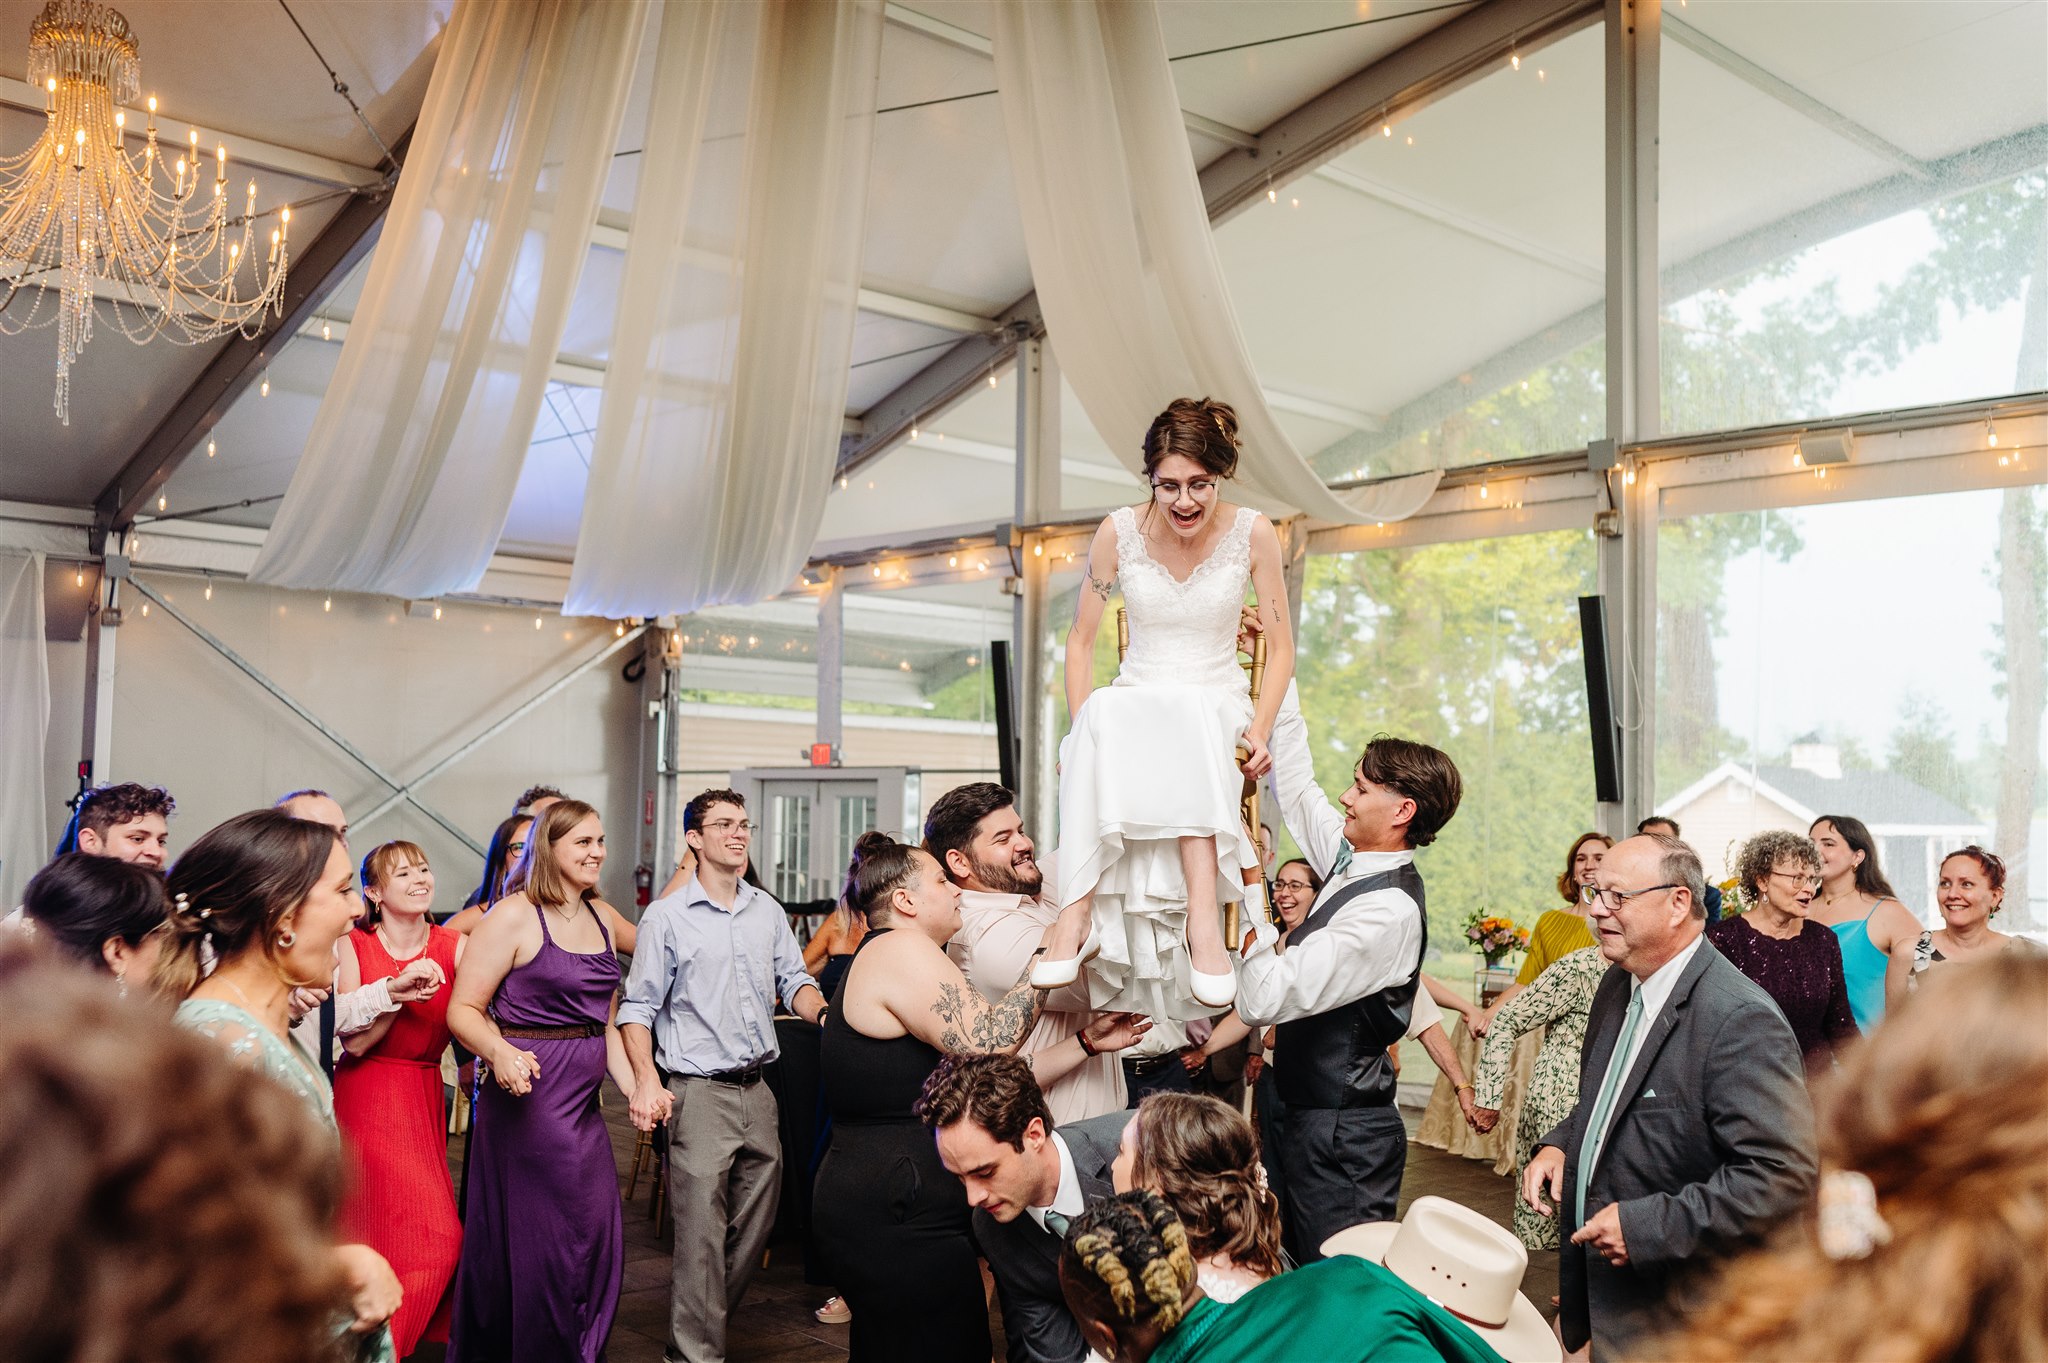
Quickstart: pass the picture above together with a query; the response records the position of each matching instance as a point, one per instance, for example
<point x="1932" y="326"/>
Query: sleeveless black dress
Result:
<point x="892" y="1223"/>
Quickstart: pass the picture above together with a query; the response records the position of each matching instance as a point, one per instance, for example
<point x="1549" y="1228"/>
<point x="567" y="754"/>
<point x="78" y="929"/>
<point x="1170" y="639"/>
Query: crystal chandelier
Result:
<point x="84" y="219"/>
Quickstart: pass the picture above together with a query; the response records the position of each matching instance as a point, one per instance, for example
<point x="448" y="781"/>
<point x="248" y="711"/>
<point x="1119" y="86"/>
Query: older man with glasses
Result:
<point x="1693" y="1136"/>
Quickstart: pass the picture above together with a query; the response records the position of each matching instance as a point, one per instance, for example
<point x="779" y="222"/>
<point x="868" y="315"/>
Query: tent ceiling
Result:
<point x="1404" y="269"/>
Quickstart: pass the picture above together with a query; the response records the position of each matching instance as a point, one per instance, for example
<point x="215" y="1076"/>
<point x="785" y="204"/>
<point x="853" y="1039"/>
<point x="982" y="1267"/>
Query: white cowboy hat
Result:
<point x="1464" y="1263"/>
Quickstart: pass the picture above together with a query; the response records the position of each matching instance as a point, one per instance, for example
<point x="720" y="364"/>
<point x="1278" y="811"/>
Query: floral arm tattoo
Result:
<point x="977" y="1028"/>
<point x="1102" y="587"/>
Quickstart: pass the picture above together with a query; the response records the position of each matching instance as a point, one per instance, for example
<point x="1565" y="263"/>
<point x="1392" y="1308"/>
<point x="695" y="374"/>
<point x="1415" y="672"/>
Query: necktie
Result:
<point x="1610" y="1089"/>
<point x="1343" y="861"/>
<point x="1057" y="1224"/>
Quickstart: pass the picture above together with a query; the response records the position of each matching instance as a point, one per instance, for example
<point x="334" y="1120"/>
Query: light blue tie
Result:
<point x="1057" y="1224"/>
<point x="1342" y="862"/>
<point x="1610" y="1089"/>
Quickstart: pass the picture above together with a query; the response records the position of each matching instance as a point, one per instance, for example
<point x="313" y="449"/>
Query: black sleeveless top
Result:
<point x="1339" y="1058"/>
<point x="870" y="1081"/>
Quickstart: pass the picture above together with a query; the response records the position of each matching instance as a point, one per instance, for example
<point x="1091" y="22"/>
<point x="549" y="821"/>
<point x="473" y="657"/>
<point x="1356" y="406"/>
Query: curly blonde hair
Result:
<point x="1945" y="1110"/>
<point x="1125" y="1245"/>
<point x="162" y="1204"/>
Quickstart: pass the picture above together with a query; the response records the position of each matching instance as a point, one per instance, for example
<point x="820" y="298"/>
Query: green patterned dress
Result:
<point x="1560" y="1001"/>
<point x="251" y="1043"/>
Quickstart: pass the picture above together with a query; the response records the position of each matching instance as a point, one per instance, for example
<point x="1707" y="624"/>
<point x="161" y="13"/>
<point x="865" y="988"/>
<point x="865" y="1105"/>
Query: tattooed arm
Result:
<point x="1097" y="587"/>
<point x="922" y="991"/>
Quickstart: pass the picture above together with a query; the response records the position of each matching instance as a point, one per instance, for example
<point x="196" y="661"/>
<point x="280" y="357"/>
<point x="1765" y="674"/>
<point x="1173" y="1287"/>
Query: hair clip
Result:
<point x="1850" y="1225"/>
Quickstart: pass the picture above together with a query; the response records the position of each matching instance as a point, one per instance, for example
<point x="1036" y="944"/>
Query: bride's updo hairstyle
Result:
<point x="234" y="888"/>
<point x="1202" y="1156"/>
<point x="1204" y="431"/>
<point x="880" y="867"/>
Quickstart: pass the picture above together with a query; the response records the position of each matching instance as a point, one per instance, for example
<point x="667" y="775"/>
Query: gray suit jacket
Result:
<point x="1026" y="1259"/>
<point x="1711" y="1146"/>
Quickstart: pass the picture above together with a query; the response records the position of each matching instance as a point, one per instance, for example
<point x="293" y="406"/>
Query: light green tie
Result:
<point x="1057" y="1224"/>
<point x="1610" y="1089"/>
<point x="1343" y="861"/>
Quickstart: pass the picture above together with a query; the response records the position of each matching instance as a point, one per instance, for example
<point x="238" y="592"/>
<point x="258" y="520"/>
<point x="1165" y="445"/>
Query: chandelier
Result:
<point x="83" y="220"/>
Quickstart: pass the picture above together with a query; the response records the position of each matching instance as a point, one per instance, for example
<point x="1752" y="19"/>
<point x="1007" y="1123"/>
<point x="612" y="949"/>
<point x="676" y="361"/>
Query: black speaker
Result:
<point x="1006" y="714"/>
<point x="1599" y="701"/>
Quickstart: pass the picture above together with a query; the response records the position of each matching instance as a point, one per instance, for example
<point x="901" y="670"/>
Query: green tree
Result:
<point x="1923" y="750"/>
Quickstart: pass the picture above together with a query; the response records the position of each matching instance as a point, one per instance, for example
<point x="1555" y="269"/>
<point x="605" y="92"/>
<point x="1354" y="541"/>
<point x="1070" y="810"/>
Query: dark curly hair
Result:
<point x="110" y="805"/>
<point x="1202" y="1156"/>
<point x="1127" y="1257"/>
<point x="161" y="1203"/>
<point x="998" y="1093"/>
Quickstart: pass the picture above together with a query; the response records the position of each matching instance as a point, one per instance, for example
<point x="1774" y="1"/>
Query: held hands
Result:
<point x="515" y="1069"/>
<point x="1546" y="1168"/>
<point x="418" y="982"/>
<point x="373" y="1291"/>
<point x="1483" y="1119"/>
<point x="1257" y="761"/>
<point x="1603" y="1232"/>
<point x="650" y="1104"/>
<point x="302" y="1001"/>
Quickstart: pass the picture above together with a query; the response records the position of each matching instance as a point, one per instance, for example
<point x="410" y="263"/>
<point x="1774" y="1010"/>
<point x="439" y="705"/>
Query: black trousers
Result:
<point x="1162" y="1075"/>
<point x="1342" y="1167"/>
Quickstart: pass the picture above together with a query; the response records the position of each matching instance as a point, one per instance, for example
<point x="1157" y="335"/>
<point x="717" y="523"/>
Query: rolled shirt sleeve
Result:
<point x="1370" y="943"/>
<point x="790" y="975"/>
<point x="654" y="970"/>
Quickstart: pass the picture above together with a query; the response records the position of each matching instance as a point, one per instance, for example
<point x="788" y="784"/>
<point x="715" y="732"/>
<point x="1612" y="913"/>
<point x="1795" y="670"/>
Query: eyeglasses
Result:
<point x="1615" y="899"/>
<point x="1171" y="490"/>
<point x="724" y="826"/>
<point x="1806" y="878"/>
<point x="1298" y="886"/>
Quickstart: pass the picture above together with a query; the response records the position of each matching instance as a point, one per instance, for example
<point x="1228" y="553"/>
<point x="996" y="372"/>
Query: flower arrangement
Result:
<point x="1495" y="937"/>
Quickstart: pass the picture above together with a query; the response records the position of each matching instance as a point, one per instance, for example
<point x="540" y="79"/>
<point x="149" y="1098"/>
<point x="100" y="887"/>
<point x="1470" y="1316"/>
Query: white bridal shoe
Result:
<point x="1212" y="991"/>
<point x="1060" y="974"/>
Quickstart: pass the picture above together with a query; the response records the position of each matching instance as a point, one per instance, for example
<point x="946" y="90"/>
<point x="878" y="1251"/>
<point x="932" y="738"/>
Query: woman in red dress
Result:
<point x="387" y="1090"/>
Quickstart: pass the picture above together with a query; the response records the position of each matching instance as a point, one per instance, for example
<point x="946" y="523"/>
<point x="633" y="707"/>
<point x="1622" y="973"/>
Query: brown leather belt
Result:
<point x="575" y="1031"/>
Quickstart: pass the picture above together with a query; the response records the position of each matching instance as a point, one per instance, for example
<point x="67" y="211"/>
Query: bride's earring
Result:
<point x="285" y="939"/>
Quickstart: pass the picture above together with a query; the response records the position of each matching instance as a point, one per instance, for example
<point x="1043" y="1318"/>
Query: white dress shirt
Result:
<point x="1374" y="941"/>
<point x="1655" y="993"/>
<point x="1067" y="1199"/>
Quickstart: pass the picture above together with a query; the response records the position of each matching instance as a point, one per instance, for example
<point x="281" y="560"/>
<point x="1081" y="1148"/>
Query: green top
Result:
<point x="1341" y="1310"/>
<point x="1558" y="932"/>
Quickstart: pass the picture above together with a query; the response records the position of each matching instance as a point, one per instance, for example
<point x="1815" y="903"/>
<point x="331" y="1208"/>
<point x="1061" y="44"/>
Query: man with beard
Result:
<point x="976" y="835"/>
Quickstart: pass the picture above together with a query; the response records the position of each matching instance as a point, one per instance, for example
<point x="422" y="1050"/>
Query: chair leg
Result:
<point x="643" y="1150"/>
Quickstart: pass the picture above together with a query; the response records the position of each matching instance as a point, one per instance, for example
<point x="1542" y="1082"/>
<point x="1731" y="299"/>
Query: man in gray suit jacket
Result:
<point x="1026" y="1181"/>
<point x="1693" y="1135"/>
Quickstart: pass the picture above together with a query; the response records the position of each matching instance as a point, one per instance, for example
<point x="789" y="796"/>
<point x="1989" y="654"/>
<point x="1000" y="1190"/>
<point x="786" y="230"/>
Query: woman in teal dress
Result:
<point x="268" y="896"/>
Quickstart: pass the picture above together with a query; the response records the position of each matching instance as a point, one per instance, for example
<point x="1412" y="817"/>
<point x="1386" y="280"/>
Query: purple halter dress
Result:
<point x="543" y="1247"/>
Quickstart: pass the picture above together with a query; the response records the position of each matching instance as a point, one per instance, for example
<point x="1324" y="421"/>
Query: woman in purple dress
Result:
<point x="1797" y="962"/>
<point x="534" y="998"/>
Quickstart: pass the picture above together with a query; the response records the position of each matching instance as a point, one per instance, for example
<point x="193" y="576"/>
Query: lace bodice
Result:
<point x="1183" y="632"/>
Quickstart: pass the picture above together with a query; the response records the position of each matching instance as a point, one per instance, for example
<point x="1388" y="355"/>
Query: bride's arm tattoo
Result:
<point x="977" y="1028"/>
<point x="1102" y="587"/>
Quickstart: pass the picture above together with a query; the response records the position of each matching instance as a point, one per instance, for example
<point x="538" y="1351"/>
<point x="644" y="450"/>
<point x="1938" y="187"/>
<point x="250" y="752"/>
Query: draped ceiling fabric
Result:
<point x="726" y="391"/>
<point x="24" y="723"/>
<point x="1121" y="249"/>
<point x="409" y="472"/>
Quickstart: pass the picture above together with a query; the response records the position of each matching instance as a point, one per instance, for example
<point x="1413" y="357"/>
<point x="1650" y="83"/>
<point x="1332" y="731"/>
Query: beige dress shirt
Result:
<point x="998" y="933"/>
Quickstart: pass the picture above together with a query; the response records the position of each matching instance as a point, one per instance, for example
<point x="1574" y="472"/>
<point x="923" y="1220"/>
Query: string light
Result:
<point x="81" y="576"/>
<point x="842" y="480"/>
<point x="1386" y="130"/>
<point x="952" y="560"/>
<point x="619" y="630"/>
<point x="327" y="603"/>
<point x="145" y="610"/>
<point x="1541" y="73"/>
<point x="1295" y="202"/>
<point x="1798" y="460"/>
<point x="326" y="330"/>
<point x="211" y="448"/>
<point x="1514" y="60"/>
<point x="913" y="430"/>
<point x="536" y="619"/>
<point x="1990" y="434"/>
<point x="263" y="389"/>
<point x="992" y="377"/>
<point x="209" y="589"/>
<point x="878" y="570"/>
<point x="437" y="616"/>
<point x="163" y="503"/>
<point x="1629" y="478"/>
<point x="1038" y="551"/>
<point x="1482" y="492"/>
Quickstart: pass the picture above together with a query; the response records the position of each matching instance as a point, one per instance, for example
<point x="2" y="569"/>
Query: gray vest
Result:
<point x="1339" y="1058"/>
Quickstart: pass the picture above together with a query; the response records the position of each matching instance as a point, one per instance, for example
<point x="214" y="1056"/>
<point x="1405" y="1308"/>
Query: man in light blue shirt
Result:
<point x="700" y="1003"/>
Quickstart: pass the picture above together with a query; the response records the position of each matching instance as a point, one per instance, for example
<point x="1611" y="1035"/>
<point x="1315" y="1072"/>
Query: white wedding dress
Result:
<point x="1150" y="761"/>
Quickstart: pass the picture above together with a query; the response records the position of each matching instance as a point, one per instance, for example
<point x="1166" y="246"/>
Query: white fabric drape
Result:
<point x="409" y="472"/>
<point x="24" y="723"/>
<point x="1121" y="250"/>
<point x="727" y="386"/>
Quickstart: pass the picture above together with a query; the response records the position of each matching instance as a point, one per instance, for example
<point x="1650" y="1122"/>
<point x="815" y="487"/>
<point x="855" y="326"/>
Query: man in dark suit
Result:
<point x="1026" y="1181"/>
<point x="1693" y="1135"/>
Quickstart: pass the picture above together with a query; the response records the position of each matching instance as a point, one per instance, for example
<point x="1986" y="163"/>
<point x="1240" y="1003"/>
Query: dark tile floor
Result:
<point x="774" y="1323"/>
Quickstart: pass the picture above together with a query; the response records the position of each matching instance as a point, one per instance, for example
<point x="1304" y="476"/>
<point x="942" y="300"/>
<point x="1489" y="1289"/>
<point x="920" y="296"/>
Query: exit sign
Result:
<point x="824" y="755"/>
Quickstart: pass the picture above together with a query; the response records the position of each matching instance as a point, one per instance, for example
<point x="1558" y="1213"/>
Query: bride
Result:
<point x="1150" y="835"/>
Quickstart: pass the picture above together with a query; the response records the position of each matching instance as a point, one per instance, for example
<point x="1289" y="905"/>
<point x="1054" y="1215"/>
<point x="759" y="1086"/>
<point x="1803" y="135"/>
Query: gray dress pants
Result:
<point x="724" y="1180"/>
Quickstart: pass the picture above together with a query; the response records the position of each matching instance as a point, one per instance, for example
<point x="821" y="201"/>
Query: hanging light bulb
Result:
<point x="327" y="603"/>
<point x="437" y="615"/>
<point x="210" y="447"/>
<point x="1514" y="61"/>
<point x="1482" y="492"/>
<point x="1272" y="195"/>
<point x="1990" y="433"/>
<point x="1038" y="551"/>
<point x="81" y="576"/>
<point x="1386" y="130"/>
<point x="536" y="619"/>
<point x="263" y="389"/>
<point x="326" y="330"/>
<point x="913" y="430"/>
<point x="162" y="502"/>
<point x="145" y="610"/>
<point x="619" y="630"/>
<point x="952" y="560"/>
<point x="209" y="589"/>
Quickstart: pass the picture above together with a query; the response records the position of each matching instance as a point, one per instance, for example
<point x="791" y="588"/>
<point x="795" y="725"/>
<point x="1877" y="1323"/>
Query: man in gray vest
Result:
<point x="1343" y="991"/>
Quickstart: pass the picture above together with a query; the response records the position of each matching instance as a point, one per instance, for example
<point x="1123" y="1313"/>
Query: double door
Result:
<point x="808" y="821"/>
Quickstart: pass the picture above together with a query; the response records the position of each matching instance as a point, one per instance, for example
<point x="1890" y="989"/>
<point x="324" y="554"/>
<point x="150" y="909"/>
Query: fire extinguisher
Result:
<point x="643" y="884"/>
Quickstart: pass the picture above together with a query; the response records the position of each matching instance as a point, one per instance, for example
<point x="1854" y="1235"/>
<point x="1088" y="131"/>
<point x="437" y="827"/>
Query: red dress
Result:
<point x="400" y="1199"/>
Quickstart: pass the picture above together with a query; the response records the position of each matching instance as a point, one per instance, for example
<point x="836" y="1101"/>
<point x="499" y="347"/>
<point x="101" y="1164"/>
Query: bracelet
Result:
<point x="1086" y="1049"/>
<point x="1465" y="1088"/>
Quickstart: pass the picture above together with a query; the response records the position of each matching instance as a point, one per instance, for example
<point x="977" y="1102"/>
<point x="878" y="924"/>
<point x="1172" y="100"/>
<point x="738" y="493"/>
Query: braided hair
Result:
<point x="1127" y="1257"/>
